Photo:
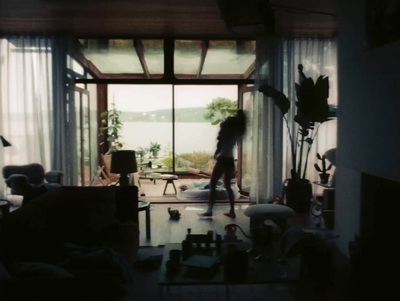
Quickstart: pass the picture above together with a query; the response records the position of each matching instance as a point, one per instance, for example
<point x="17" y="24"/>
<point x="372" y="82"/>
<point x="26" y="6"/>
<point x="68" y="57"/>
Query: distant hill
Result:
<point x="181" y="115"/>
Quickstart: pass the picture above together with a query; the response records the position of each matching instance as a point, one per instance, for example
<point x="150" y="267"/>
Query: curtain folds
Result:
<point x="26" y="99"/>
<point x="276" y="65"/>
<point x="64" y="141"/>
<point x="267" y="124"/>
<point x="33" y="102"/>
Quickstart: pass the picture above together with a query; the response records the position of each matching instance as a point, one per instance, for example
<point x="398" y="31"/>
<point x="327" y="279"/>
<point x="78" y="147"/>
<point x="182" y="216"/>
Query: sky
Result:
<point x="155" y="97"/>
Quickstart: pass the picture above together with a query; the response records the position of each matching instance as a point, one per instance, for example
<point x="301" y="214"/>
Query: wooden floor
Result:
<point x="164" y="230"/>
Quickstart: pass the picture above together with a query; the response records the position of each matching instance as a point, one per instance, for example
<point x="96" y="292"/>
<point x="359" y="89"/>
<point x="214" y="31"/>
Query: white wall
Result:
<point x="368" y="115"/>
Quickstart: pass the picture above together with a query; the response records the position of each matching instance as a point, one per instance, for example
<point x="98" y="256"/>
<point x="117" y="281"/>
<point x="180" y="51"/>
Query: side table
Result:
<point x="145" y="206"/>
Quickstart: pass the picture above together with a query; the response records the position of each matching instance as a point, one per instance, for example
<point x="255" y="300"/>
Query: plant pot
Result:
<point x="298" y="194"/>
<point x="324" y="178"/>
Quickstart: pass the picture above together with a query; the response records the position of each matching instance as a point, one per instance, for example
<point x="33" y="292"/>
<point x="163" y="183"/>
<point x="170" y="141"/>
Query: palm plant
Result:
<point x="312" y="111"/>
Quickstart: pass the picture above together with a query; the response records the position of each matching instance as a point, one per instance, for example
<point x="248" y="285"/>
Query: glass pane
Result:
<point x="112" y="56"/>
<point x="195" y="136"/>
<point x="187" y="57"/>
<point x="229" y="57"/>
<point x="94" y="157"/>
<point x="146" y="114"/>
<point x="78" y="137"/>
<point x="86" y="140"/>
<point x="154" y="56"/>
<point x="248" y="100"/>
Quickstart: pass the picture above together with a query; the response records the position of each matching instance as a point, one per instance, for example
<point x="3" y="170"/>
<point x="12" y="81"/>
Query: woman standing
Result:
<point x="231" y="132"/>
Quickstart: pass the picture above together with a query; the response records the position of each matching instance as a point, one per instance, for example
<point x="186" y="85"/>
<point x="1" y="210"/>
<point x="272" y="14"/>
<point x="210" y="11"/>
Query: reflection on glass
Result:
<point x="248" y="100"/>
<point x="78" y="136"/>
<point x="86" y="140"/>
<point x="112" y="56"/>
<point x="195" y="137"/>
<point x="229" y="57"/>
<point x="187" y="57"/>
<point x="154" y="56"/>
<point x="92" y="88"/>
<point x="146" y="114"/>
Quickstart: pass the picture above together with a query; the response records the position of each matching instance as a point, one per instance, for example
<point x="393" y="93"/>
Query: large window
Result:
<point x="146" y="113"/>
<point x="174" y="117"/>
<point x="195" y="135"/>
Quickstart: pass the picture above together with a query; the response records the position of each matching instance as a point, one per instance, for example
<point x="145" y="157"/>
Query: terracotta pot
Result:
<point x="298" y="194"/>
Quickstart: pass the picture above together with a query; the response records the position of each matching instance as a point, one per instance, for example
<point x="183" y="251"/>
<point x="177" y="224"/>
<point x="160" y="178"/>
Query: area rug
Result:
<point x="145" y="285"/>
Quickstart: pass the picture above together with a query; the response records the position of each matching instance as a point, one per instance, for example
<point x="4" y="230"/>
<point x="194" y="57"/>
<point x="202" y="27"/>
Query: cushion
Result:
<point x="199" y="190"/>
<point x="39" y="270"/>
<point x="269" y="211"/>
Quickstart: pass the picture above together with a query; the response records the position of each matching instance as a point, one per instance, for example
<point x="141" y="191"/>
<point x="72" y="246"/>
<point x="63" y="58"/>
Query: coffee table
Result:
<point x="259" y="272"/>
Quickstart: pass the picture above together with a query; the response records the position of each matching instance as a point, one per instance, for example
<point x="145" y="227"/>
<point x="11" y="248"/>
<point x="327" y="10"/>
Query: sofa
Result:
<point x="30" y="180"/>
<point x="80" y="240"/>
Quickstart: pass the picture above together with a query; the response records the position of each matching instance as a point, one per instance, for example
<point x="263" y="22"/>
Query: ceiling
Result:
<point x="175" y="18"/>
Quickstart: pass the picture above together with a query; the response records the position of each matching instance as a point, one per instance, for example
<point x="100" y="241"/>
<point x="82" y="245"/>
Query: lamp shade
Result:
<point x="4" y="142"/>
<point x="123" y="162"/>
<point x="331" y="155"/>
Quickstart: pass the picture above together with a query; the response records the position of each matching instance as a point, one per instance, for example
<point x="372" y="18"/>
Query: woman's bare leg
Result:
<point x="229" y="192"/>
<point x="215" y="176"/>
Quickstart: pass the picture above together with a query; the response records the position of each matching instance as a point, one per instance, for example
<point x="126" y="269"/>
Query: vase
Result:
<point x="298" y="194"/>
<point x="324" y="178"/>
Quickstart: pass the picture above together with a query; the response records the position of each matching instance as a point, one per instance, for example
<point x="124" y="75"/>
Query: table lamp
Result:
<point x="123" y="162"/>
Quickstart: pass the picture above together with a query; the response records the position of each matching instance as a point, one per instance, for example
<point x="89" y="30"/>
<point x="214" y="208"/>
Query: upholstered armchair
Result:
<point x="30" y="180"/>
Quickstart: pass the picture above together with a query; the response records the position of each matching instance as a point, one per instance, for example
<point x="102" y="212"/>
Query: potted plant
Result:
<point x="324" y="176"/>
<point x="312" y="111"/>
<point x="141" y="152"/>
<point x="154" y="148"/>
<point x="112" y="126"/>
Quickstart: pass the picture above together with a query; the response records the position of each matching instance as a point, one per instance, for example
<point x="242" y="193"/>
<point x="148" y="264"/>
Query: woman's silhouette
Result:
<point x="231" y="131"/>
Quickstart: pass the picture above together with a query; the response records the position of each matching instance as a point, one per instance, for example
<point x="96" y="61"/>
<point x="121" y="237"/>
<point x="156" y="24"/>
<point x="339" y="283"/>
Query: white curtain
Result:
<point x="319" y="57"/>
<point x="26" y="100"/>
<point x="276" y="65"/>
<point x="267" y="124"/>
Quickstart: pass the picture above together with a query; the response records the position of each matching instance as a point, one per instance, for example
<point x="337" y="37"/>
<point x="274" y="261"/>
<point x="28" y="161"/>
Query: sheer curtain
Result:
<point x="26" y="100"/>
<point x="276" y="65"/>
<point x="319" y="57"/>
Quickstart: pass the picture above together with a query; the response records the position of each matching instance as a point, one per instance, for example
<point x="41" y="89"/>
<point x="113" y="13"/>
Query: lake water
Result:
<point x="189" y="136"/>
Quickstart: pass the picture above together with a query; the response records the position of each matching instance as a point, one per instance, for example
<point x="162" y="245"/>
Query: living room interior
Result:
<point x="363" y="74"/>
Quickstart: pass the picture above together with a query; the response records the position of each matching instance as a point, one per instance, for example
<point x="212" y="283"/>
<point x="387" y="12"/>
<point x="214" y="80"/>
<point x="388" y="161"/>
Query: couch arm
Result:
<point x="18" y="183"/>
<point x="54" y="176"/>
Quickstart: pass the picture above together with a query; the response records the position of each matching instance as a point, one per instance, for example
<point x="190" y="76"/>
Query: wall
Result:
<point x="368" y="115"/>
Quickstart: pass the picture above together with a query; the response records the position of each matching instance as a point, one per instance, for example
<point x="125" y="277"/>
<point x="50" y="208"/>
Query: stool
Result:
<point x="258" y="214"/>
<point x="154" y="176"/>
<point x="169" y="180"/>
<point x="277" y="213"/>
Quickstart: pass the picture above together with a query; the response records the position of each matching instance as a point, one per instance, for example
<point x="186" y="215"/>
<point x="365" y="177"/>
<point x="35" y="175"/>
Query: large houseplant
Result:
<point x="312" y="111"/>
<point x="112" y="127"/>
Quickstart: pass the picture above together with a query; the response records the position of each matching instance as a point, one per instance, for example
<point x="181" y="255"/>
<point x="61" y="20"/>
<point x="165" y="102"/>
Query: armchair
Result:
<point x="30" y="180"/>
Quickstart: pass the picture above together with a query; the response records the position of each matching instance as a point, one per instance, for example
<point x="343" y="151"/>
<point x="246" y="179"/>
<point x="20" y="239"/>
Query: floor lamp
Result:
<point x="4" y="143"/>
<point x="123" y="162"/>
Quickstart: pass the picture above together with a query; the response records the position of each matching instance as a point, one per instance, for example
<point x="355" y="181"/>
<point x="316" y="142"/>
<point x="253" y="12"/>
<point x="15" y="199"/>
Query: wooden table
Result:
<point x="259" y="272"/>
